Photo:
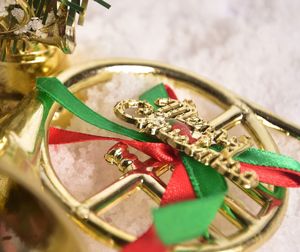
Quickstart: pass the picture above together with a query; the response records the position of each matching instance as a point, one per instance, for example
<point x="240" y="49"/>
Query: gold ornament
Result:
<point x="252" y="228"/>
<point x="159" y="123"/>
<point x="22" y="142"/>
<point x="24" y="23"/>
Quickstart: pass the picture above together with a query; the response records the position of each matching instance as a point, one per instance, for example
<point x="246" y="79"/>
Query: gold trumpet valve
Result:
<point x="120" y="156"/>
<point x="127" y="162"/>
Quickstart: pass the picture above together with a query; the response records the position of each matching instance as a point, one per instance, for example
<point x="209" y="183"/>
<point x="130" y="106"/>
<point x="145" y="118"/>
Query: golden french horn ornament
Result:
<point x="32" y="191"/>
<point x="24" y="147"/>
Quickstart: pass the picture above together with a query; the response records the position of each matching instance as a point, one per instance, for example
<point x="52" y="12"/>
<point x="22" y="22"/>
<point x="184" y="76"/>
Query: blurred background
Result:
<point x="250" y="47"/>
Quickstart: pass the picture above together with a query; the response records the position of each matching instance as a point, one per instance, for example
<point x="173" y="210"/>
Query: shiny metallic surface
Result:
<point x="39" y="60"/>
<point x="253" y="228"/>
<point x="34" y="35"/>
<point x="29" y="219"/>
<point x="159" y="124"/>
<point x="23" y="136"/>
<point x="55" y="30"/>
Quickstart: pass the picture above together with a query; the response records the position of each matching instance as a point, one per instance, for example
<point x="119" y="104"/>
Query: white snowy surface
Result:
<point x="249" y="46"/>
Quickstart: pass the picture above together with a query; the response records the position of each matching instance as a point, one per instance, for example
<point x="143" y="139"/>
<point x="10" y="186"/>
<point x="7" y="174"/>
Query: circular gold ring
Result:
<point x="253" y="228"/>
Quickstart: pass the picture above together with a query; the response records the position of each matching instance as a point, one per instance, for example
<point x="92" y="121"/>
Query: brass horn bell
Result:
<point x="30" y="219"/>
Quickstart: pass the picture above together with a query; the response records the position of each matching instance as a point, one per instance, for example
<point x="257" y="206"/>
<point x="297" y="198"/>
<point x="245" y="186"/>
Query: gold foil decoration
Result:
<point x="35" y="35"/>
<point x="22" y="25"/>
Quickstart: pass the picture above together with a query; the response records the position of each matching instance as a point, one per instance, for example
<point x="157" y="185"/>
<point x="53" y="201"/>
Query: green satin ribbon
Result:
<point x="153" y="94"/>
<point x="51" y="89"/>
<point x="266" y="158"/>
<point x="190" y="219"/>
<point x="56" y="91"/>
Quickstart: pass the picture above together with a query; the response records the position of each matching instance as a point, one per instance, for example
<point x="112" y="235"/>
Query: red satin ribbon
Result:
<point x="159" y="151"/>
<point x="163" y="153"/>
<point x="178" y="189"/>
<point x="273" y="175"/>
<point x="171" y="92"/>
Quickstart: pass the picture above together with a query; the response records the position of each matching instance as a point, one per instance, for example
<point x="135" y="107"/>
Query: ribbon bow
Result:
<point x="196" y="191"/>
